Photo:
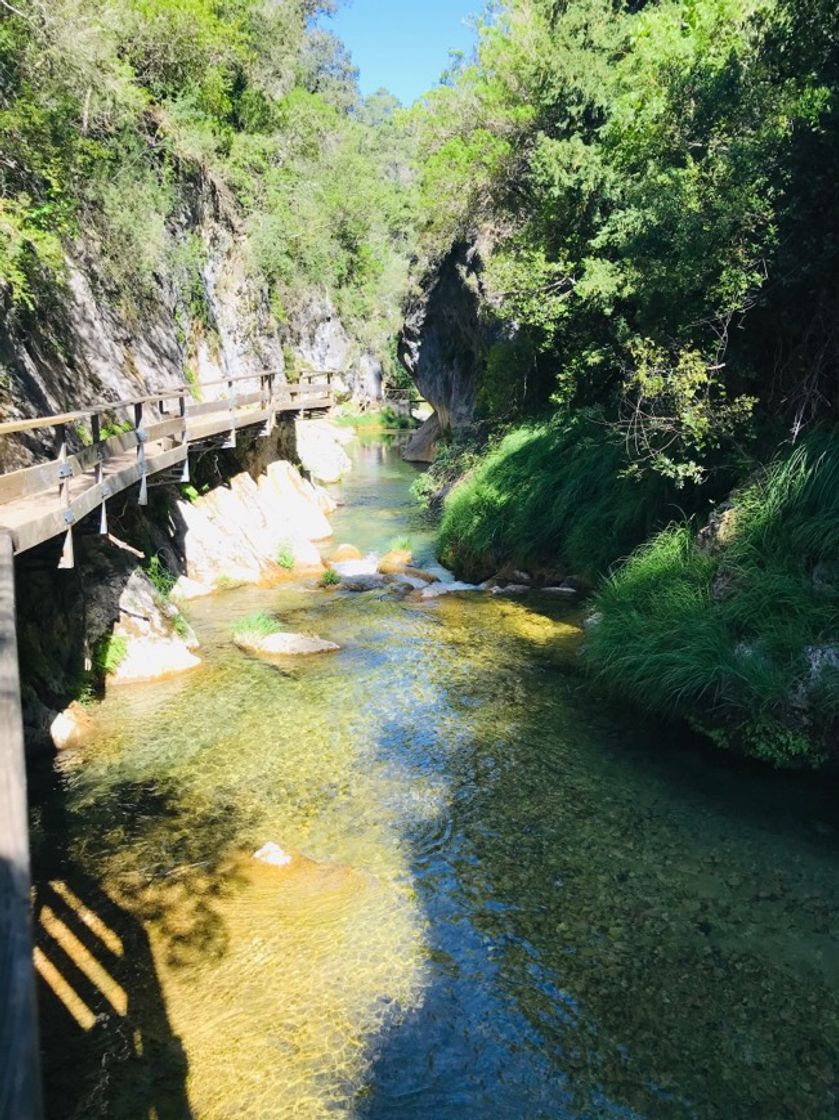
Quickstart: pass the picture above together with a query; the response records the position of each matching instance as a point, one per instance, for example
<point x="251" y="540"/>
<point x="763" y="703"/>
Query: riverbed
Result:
<point x="506" y="899"/>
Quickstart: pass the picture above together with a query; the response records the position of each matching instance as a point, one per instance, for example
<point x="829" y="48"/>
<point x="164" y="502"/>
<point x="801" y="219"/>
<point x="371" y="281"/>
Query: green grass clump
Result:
<point x="330" y="578"/>
<point x="386" y="418"/>
<point x="726" y="634"/>
<point x="400" y="544"/>
<point x="550" y="495"/>
<point x="259" y="623"/>
<point x="109" y="653"/>
<point x="285" y="557"/>
<point x="161" y="578"/>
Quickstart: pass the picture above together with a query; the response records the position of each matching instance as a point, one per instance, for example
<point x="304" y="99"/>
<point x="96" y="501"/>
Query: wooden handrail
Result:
<point x="20" y="1086"/>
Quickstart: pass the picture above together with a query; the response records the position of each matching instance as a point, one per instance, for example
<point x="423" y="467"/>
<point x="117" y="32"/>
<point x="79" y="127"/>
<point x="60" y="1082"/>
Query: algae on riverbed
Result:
<point x="518" y="905"/>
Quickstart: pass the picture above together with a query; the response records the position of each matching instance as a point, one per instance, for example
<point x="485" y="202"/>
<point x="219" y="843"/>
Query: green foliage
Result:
<point x="652" y="176"/>
<point x="738" y="634"/>
<point x="383" y="419"/>
<point x="549" y="495"/>
<point x="258" y="623"/>
<point x="115" y="118"/>
<point x="161" y="578"/>
<point x="285" y="557"/>
<point x="109" y="653"/>
<point x="330" y="578"/>
<point x="400" y="544"/>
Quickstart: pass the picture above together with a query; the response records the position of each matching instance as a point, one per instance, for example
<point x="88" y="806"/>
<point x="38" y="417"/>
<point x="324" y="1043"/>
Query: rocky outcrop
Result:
<point x="320" y="447"/>
<point x="321" y="343"/>
<point x="447" y="335"/>
<point x="236" y="532"/>
<point x="153" y="637"/>
<point x="83" y="347"/>
<point x="421" y="446"/>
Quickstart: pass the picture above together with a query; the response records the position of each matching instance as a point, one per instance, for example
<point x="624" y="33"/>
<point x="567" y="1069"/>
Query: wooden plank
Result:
<point x="20" y="1086"/>
<point x="12" y="426"/>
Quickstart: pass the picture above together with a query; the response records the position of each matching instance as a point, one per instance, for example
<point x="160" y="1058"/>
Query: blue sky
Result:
<point x="403" y="44"/>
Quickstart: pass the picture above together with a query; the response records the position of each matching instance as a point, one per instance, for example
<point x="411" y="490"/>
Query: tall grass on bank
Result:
<point x="739" y="633"/>
<point x="551" y="495"/>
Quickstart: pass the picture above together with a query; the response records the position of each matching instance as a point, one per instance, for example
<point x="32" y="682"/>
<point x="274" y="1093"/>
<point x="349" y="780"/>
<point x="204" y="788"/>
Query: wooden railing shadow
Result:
<point x="108" y="1046"/>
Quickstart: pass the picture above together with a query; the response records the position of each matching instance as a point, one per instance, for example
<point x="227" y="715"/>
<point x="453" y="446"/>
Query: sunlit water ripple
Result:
<point x="507" y="900"/>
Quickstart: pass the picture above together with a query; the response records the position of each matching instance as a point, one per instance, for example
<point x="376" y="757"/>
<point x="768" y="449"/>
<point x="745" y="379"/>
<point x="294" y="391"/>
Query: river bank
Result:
<point x="503" y="898"/>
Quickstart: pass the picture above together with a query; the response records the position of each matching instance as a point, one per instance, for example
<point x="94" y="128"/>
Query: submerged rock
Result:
<point x="435" y="590"/>
<point x="70" y="728"/>
<point x="510" y="589"/>
<point x="282" y="644"/>
<point x="366" y="581"/>
<point x="272" y="853"/>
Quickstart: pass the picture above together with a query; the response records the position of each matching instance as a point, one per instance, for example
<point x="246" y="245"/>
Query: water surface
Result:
<point x="507" y="900"/>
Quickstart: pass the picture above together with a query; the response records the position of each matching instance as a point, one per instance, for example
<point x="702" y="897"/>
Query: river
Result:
<point x="508" y="899"/>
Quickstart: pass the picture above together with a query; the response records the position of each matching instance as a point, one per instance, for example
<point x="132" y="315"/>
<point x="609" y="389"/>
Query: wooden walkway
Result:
<point x="47" y="500"/>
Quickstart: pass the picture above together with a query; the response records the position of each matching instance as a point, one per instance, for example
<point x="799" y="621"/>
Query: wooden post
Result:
<point x="65" y="473"/>
<point x="96" y="430"/>
<point x="143" y="498"/>
<point x="20" y="1084"/>
<point x="184" y="437"/>
<point x="231" y="408"/>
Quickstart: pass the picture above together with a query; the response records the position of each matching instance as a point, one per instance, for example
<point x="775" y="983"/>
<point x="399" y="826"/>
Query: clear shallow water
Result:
<point x="507" y="900"/>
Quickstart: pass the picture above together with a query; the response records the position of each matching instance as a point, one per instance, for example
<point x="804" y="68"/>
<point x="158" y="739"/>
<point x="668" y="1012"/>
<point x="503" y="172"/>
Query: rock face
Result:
<point x="85" y="349"/>
<point x="421" y="446"/>
<point x="233" y="534"/>
<point x="157" y="639"/>
<point x="446" y="337"/>
<point x="321" y="342"/>
<point x="320" y="446"/>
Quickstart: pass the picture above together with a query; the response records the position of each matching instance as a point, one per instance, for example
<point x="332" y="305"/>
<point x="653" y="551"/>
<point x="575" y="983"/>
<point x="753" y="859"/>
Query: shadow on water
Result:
<point x="618" y="928"/>
<point x="109" y="1049"/>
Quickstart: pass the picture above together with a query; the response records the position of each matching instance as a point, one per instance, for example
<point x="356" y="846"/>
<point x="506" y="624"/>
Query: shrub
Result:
<point x="554" y="495"/>
<point x="109" y="653"/>
<point x="739" y="636"/>
<point x="330" y="578"/>
<point x="285" y="557"/>
<point x="258" y="623"/>
<point x="161" y="578"/>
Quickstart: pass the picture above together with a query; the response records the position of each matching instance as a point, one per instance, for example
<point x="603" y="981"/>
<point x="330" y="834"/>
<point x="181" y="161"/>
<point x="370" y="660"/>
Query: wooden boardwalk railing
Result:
<point x="47" y="500"/>
<point x="20" y="1086"/>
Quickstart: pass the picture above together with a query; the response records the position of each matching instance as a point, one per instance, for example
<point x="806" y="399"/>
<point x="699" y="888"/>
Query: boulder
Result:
<point x="421" y="446"/>
<point x="435" y="590"/>
<point x="510" y="589"/>
<point x="346" y="552"/>
<point x="70" y="728"/>
<point x="350" y="569"/>
<point x="321" y="451"/>
<point x="157" y="639"/>
<point x="364" y="581"/>
<point x="150" y="659"/>
<point x="282" y="644"/>
<point x="395" y="561"/>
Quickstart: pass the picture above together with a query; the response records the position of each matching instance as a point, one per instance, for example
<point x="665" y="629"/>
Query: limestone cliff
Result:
<point x="448" y="332"/>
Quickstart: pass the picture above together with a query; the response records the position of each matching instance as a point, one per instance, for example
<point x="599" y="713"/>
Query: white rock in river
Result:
<point x="282" y="644"/>
<point x="510" y="589"/>
<point x="435" y="590"/>
<point x="368" y="566"/>
<point x="272" y="853"/>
